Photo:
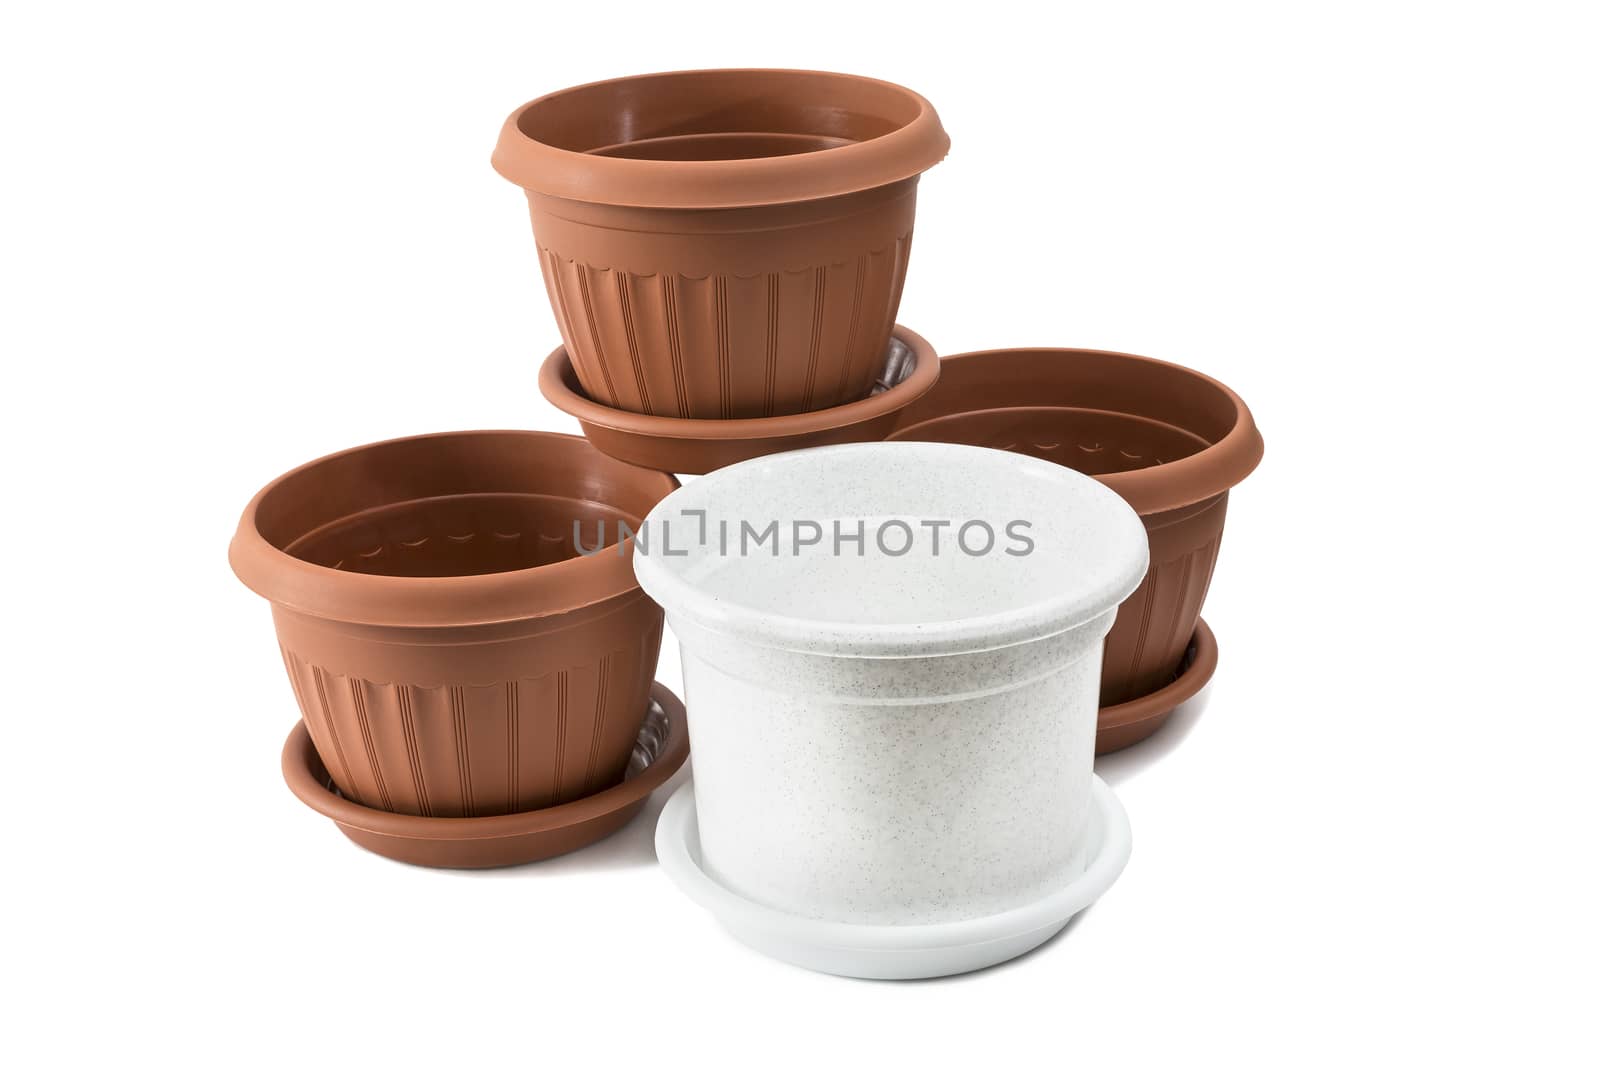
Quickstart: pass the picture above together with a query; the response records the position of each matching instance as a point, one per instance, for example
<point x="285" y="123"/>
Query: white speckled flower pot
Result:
<point x="896" y="728"/>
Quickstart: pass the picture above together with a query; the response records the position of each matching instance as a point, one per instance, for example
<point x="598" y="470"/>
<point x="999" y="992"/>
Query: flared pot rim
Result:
<point x="914" y="142"/>
<point x="1122" y="558"/>
<point x="552" y="589"/>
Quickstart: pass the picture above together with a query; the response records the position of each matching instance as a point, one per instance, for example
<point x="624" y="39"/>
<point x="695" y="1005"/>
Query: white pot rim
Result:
<point x="906" y="951"/>
<point x="1120" y="546"/>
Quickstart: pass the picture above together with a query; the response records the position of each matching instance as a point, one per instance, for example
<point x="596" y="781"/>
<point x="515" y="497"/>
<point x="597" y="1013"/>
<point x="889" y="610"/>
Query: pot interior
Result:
<point x="1086" y="440"/>
<point x="1162" y="435"/>
<point x="718" y="114"/>
<point x="708" y="146"/>
<point x="445" y="537"/>
<point x="456" y="504"/>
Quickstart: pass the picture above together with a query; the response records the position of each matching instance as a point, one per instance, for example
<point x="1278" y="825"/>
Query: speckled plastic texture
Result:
<point x="858" y="950"/>
<point x="884" y="736"/>
<point x="724" y="244"/>
<point x="1170" y="440"/>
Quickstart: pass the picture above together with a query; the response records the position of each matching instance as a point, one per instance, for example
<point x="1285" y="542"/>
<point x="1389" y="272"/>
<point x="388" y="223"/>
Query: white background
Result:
<point x="236" y="237"/>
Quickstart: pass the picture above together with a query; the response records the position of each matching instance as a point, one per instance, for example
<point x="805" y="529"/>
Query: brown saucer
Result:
<point x="1121" y="725"/>
<point x="698" y="446"/>
<point x="500" y="840"/>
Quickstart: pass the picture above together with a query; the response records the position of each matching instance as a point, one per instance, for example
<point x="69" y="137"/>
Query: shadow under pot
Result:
<point x="892" y="652"/>
<point x="724" y="244"/>
<point x="1171" y="441"/>
<point x="452" y="650"/>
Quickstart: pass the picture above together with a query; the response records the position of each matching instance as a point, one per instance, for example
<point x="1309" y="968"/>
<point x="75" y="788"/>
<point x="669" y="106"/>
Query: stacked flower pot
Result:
<point x="914" y="596"/>
<point x="724" y="252"/>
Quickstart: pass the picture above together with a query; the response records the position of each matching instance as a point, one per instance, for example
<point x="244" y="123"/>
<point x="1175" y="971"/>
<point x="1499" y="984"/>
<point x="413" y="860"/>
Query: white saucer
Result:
<point x="924" y="951"/>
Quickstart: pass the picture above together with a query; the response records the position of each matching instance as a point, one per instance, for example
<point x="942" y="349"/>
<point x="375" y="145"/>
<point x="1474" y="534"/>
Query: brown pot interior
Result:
<point x="1161" y="435"/>
<point x="1087" y="440"/>
<point x="446" y="507"/>
<point x="702" y="147"/>
<point x="442" y="537"/>
<point x="718" y="114"/>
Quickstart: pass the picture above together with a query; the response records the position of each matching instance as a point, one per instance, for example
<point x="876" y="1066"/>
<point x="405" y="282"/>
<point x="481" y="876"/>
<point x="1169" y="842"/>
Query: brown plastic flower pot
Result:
<point x="452" y="651"/>
<point x="698" y="446"/>
<point x="724" y="244"/>
<point x="1170" y="440"/>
